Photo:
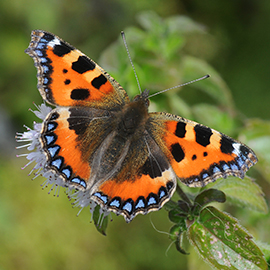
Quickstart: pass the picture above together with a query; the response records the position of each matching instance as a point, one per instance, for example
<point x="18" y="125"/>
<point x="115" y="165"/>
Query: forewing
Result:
<point x="198" y="154"/>
<point x="67" y="77"/>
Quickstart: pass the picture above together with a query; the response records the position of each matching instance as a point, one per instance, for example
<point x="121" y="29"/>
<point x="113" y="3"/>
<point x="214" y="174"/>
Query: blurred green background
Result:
<point x="40" y="231"/>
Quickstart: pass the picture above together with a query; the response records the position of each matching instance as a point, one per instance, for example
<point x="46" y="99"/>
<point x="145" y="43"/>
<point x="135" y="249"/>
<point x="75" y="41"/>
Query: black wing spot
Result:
<point x="54" y="116"/>
<point x="177" y="152"/>
<point x="62" y="49"/>
<point x="151" y="168"/>
<point x="78" y="120"/>
<point x="48" y="37"/>
<point x="244" y="150"/>
<point x="169" y="185"/>
<point x="154" y="167"/>
<point x="194" y="157"/>
<point x="99" y="81"/>
<point x="226" y="145"/>
<point x="203" y="135"/>
<point x="180" y="130"/>
<point x="80" y="94"/>
<point x="83" y="64"/>
<point x="67" y="81"/>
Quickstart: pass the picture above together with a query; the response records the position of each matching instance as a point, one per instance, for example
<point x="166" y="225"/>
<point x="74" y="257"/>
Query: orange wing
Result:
<point x="66" y="144"/>
<point x="145" y="181"/>
<point x="67" y="77"/>
<point x="199" y="154"/>
<point x="125" y="176"/>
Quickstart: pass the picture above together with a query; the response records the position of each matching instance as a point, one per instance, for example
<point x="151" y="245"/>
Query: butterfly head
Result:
<point x="143" y="98"/>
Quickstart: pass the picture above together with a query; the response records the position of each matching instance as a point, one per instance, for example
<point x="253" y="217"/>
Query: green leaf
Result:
<point x="261" y="146"/>
<point x="171" y="45"/>
<point x="183" y="24"/>
<point x="256" y="135"/>
<point x="255" y="128"/>
<point x="178" y="105"/>
<point x="179" y="213"/>
<point x="176" y="235"/>
<point x="100" y="221"/>
<point x="170" y="205"/>
<point x="265" y="248"/>
<point x="214" y="86"/>
<point x="243" y="192"/>
<point x="151" y="21"/>
<point x="223" y="243"/>
<point x="208" y="196"/>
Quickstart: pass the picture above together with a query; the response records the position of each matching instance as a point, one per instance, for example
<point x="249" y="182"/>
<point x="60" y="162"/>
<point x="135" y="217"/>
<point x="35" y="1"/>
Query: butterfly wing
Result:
<point x="69" y="137"/>
<point x="199" y="154"/>
<point x="122" y="175"/>
<point x="144" y="182"/>
<point x="67" y="77"/>
<point x="88" y="143"/>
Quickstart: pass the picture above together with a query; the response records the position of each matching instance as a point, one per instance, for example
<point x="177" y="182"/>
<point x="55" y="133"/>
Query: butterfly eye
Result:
<point x="147" y="102"/>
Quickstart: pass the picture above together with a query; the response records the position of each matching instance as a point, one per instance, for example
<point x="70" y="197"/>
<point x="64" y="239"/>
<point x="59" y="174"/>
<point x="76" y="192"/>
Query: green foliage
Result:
<point x="223" y="243"/>
<point x="217" y="236"/>
<point x="257" y="134"/>
<point x="184" y="212"/>
<point x="100" y="220"/>
<point x="245" y="193"/>
<point x="159" y="56"/>
<point x="40" y="232"/>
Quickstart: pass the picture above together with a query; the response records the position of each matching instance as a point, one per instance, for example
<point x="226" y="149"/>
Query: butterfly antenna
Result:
<point x="180" y="85"/>
<point x="130" y="60"/>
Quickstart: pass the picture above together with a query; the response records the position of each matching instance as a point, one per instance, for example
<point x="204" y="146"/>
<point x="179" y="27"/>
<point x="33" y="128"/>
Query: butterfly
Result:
<point x="125" y="159"/>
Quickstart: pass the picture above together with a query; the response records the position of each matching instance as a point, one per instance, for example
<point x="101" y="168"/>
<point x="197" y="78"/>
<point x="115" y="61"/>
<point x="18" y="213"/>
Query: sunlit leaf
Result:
<point x="214" y="86"/>
<point x="265" y="248"/>
<point x="243" y="192"/>
<point x="257" y="134"/>
<point x="222" y="242"/>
